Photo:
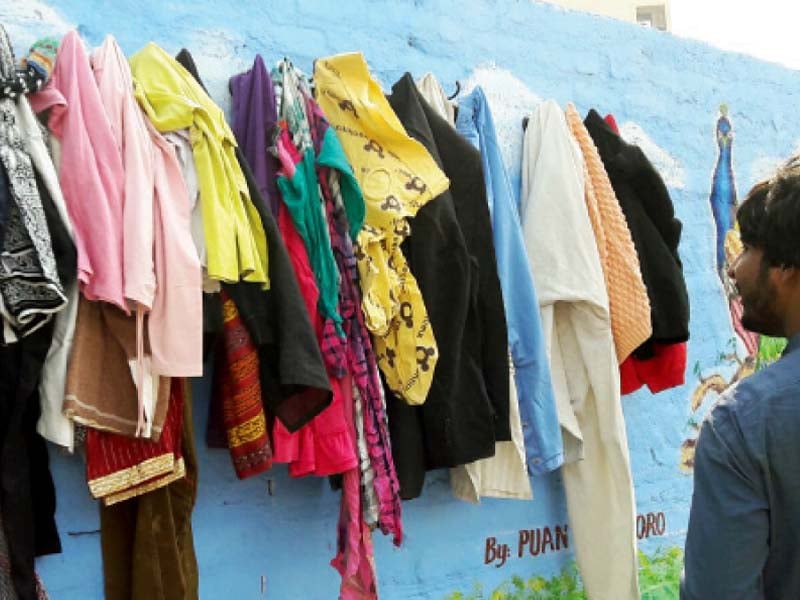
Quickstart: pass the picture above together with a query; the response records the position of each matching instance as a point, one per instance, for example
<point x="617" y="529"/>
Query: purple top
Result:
<point x="255" y="117"/>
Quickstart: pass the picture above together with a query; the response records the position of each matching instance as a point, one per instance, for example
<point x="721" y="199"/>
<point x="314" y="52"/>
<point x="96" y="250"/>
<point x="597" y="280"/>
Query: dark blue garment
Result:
<point x="744" y="529"/>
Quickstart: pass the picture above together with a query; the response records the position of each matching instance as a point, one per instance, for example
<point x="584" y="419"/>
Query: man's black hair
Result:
<point x="751" y="215"/>
<point x="781" y="228"/>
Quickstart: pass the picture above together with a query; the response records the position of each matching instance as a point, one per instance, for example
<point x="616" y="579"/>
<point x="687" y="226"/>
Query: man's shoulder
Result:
<point x="750" y="402"/>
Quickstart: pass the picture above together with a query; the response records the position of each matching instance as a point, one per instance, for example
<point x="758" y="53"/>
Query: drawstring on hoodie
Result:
<point x="141" y="416"/>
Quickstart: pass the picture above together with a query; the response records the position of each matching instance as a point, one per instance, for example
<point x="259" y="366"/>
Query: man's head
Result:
<point x="767" y="273"/>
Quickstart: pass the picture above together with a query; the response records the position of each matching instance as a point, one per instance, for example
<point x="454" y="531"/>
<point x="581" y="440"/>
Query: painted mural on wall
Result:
<point x="661" y="89"/>
<point x="746" y="351"/>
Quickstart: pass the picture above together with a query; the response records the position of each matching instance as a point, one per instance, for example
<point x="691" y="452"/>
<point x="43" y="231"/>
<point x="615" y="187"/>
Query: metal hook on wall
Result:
<point x="457" y="92"/>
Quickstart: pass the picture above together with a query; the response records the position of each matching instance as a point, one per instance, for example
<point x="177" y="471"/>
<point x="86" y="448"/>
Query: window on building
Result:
<point x="652" y="16"/>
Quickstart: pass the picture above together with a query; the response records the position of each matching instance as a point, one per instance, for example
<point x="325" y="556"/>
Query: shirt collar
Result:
<point x="793" y="345"/>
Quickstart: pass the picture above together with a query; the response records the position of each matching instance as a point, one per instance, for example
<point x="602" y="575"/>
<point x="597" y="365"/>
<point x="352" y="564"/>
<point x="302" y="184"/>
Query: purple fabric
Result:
<point x="255" y="118"/>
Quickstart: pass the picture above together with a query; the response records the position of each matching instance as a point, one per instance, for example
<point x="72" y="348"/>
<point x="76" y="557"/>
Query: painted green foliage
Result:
<point x="659" y="577"/>
<point x="769" y="350"/>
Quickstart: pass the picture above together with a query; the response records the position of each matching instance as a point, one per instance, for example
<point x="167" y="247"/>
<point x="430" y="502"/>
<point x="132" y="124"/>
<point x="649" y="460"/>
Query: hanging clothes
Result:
<point x="173" y="100"/>
<point x="430" y="89"/>
<point x="666" y="368"/>
<point x="655" y="230"/>
<point x="451" y="255"/>
<point x="53" y="425"/>
<point x="147" y="542"/>
<point x="526" y="340"/>
<point x="30" y="290"/>
<point x="397" y="177"/>
<point x="6" y="580"/>
<point x="536" y="444"/>
<point x="161" y="268"/>
<point x="294" y="384"/>
<point x="343" y="204"/>
<point x="627" y="296"/>
<point x="27" y="494"/>
<point x="90" y="172"/>
<point x="105" y="342"/>
<point x="120" y="467"/>
<point x="325" y="446"/>
<point x="575" y="316"/>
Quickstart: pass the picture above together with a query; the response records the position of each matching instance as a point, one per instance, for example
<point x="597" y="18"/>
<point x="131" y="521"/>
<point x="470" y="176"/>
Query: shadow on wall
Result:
<point x="747" y="351"/>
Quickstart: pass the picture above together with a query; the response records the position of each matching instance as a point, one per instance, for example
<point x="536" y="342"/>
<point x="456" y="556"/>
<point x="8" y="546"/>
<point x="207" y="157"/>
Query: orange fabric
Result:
<point x="627" y="295"/>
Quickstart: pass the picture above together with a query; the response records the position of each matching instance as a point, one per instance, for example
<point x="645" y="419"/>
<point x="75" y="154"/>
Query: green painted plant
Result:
<point x="769" y="350"/>
<point x="659" y="577"/>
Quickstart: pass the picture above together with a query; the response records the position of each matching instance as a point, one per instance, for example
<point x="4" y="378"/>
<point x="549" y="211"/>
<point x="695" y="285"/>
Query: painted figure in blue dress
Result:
<point x="723" y="190"/>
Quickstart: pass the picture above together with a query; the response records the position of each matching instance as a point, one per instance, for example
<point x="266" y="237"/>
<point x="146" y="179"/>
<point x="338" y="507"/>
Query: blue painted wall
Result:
<point x="664" y="90"/>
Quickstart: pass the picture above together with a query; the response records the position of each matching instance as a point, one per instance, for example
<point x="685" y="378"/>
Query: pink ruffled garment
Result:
<point x="355" y="559"/>
<point x="324" y="446"/>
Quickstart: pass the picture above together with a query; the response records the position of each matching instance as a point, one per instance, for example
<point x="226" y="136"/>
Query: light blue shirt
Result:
<point x="537" y="404"/>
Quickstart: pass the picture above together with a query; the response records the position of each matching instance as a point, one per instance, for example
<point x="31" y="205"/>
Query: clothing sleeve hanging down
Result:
<point x="91" y="174"/>
<point x="530" y="387"/>
<point x="665" y="365"/>
<point x="451" y="254"/>
<point x="174" y="100"/>
<point x="294" y="384"/>
<point x="575" y="316"/>
<point x="397" y="177"/>
<point x="299" y="187"/>
<point x="27" y="494"/>
<point x="627" y="296"/>
<point x="114" y="82"/>
<point x="53" y="425"/>
<point x="161" y="270"/>
<point x="655" y="230"/>
<point x="30" y="290"/>
<point x="537" y="404"/>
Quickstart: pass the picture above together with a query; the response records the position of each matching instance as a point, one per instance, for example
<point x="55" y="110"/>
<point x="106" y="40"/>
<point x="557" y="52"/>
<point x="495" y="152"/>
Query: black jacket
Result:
<point x="655" y="231"/>
<point x="294" y="382"/>
<point x="451" y="254"/>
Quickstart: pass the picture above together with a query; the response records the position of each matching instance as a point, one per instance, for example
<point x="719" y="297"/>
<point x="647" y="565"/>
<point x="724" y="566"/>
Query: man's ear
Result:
<point x="787" y="276"/>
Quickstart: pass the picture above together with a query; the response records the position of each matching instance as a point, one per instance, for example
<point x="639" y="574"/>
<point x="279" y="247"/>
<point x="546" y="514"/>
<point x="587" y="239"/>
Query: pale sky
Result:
<point x="767" y="29"/>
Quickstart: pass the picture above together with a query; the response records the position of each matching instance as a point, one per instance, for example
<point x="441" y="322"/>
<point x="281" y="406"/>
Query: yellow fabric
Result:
<point x="627" y="294"/>
<point x="235" y="241"/>
<point x="397" y="176"/>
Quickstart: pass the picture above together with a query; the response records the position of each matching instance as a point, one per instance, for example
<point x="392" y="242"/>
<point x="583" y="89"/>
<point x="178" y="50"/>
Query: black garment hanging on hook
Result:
<point x="451" y="254"/>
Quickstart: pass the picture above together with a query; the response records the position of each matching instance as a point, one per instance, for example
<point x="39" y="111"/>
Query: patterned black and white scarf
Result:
<point x="30" y="290"/>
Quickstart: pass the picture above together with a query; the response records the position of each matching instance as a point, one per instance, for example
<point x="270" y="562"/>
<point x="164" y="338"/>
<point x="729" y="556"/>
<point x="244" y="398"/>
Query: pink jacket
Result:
<point x="91" y="176"/>
<point x="161" y="267"/>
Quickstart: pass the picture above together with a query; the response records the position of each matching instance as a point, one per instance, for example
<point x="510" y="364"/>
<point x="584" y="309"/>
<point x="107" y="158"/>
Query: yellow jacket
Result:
<point x="397" y="176"/>
<point x="172" y="99"/>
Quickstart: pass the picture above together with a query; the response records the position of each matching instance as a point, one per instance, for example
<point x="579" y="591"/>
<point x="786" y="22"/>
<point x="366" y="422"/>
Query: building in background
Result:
<point x="649" y="14"/>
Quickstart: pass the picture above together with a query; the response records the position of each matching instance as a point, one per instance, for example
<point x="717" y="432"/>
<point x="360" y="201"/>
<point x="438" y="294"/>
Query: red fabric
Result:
<point x="612" y="122"/>
<point x="354" y="558"/>
<point x="108" y="454"/>
<point x="667" y="369"/>
<point x="324" y="446"/>
<point x="237" y="389"/>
